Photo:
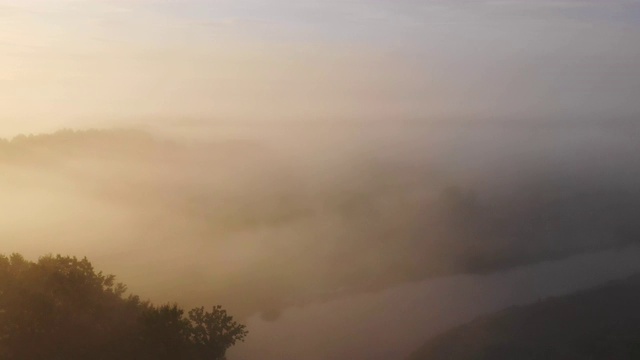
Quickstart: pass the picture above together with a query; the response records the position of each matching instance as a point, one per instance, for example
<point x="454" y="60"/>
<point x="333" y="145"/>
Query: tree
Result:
<point x="213" y="333"/>
<point x="61" y="308"/>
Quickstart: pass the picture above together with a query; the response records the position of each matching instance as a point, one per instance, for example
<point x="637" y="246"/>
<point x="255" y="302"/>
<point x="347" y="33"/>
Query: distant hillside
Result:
<point x="602" y="323"/>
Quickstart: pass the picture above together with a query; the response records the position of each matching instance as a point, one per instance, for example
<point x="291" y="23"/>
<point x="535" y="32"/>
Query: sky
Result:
<point x="84" y="62"/>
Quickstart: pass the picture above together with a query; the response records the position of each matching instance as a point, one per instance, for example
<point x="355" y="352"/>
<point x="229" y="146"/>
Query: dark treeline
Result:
<point x="598" y="324"/>
<point x="60" y="308"/>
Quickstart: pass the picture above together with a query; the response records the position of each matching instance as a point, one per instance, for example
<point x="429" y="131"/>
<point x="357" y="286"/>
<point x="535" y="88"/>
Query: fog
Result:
<point x="263" y="223"/>
<point x="287" y="159"/>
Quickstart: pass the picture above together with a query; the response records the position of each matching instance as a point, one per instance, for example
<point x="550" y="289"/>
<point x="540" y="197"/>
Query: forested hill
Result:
<point x="602" y="323"/>
<point x="61" y="308"/>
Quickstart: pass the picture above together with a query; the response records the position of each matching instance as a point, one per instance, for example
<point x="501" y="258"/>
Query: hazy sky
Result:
<point x="81" y="62"/>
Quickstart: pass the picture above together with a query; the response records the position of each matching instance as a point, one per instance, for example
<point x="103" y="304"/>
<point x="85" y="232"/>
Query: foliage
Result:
<point x="61" y="308"/>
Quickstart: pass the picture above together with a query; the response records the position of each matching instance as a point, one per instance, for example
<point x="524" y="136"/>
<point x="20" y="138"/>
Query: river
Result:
<point x="393" y="323"/>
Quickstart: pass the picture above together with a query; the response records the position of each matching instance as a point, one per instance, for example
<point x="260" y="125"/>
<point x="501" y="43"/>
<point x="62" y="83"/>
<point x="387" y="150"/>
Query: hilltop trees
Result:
<point x="61" y="308"/>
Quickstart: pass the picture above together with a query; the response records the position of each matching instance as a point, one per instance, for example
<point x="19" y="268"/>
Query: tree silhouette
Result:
<point x="61" y="308"/>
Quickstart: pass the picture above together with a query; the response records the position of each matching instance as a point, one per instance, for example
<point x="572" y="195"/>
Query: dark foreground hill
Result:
<point x="602" y="323"/>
